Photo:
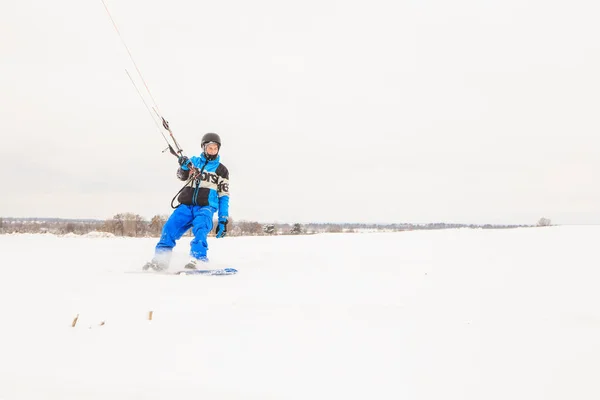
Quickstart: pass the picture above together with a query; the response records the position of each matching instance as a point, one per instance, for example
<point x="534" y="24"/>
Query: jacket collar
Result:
<point x="203" y="159"/>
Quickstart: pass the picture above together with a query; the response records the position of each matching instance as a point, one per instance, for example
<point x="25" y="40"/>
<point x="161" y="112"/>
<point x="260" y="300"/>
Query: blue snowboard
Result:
<point x="220" y="271"/>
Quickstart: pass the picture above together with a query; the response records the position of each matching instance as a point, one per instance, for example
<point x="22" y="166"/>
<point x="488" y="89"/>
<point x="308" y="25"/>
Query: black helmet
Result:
<point x="211" y="137"/>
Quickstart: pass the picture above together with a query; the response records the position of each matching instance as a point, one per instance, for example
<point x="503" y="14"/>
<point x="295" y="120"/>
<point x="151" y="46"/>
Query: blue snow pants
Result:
<point x="199" y="218"/>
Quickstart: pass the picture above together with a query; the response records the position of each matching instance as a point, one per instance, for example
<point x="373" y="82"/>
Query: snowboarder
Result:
<point x="206" y="191"/>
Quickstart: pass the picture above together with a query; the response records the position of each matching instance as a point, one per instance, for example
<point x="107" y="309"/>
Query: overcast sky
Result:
<point x="329" y="111"/>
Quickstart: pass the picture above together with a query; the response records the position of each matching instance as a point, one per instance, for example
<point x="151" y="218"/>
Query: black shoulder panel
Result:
<point x="222" y="171"/>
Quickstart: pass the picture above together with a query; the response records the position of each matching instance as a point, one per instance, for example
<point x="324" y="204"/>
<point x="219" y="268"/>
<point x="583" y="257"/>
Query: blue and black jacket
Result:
<point x="209" y="189"/>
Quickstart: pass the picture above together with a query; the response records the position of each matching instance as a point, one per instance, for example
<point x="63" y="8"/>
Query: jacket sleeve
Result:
<point x="224" y="206"/>
<point x="223" y="192"/>
<point x="183" y="174"/>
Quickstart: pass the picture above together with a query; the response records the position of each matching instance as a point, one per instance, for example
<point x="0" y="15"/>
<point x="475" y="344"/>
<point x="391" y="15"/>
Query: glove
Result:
<point x="183" y="161"/>
<point x="222" y="227"/>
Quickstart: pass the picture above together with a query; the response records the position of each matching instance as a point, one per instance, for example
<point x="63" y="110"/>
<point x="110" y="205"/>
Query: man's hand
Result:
<point x="222" y="227"/>
<point x="183" y="161"/>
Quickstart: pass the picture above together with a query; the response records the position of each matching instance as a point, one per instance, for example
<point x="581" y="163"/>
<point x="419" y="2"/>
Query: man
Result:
<point x="206" y="191"/>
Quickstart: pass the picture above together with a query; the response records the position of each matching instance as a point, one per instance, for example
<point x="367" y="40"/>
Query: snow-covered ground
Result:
<point x="452" y="314"/>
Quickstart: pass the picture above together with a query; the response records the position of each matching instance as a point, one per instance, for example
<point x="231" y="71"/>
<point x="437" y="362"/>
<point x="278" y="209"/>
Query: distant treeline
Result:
<point x="133" y="225"/>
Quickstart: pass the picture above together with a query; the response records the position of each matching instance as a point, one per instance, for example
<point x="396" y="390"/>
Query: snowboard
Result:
<point x="215" y="271"/>
<point x="219" y="271"/>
